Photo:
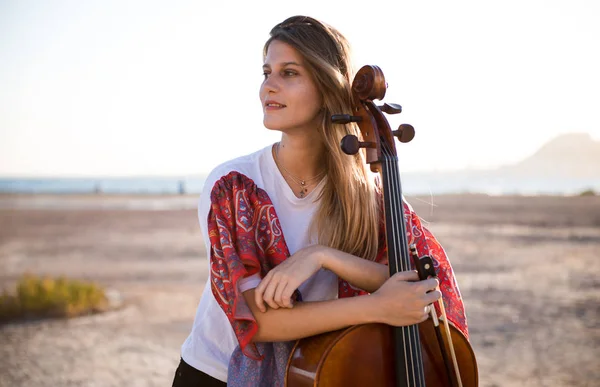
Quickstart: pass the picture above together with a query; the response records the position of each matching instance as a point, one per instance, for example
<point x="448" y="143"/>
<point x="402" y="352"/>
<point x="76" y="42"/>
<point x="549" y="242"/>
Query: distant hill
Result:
<point x="568" y="164"/>
<point x="574" y="155"/>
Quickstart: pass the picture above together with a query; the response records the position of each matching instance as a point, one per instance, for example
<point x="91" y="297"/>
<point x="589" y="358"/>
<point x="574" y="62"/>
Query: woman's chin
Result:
<point x="271" y="125"/>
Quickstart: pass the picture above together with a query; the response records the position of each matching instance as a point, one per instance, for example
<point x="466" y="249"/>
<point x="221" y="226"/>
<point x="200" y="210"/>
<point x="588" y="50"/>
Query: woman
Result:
<point x="293" y="231"/>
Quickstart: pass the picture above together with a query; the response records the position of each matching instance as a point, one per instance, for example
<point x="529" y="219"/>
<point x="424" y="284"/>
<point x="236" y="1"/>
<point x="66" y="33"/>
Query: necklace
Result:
<point x="301" y="182"/>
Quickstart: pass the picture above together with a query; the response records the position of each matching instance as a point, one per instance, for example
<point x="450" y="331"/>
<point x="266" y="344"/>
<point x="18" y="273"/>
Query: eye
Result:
<point x="266" y="74"/>
<point x="289" y="73"/>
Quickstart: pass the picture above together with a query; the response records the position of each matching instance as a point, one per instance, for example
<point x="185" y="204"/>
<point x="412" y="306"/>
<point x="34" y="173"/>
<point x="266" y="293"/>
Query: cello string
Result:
<point x="412" y="330"/>
<point x="405" y="337"/>
<point x="397" y="231"/>
<point x="413" y="369"/>
<point x="415" y="342"/>
<point x="416" y="368"/>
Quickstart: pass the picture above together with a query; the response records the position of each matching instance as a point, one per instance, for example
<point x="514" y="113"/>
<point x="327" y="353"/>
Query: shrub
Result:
<point x="38" y="297"/>
<point x="589" y="192"/>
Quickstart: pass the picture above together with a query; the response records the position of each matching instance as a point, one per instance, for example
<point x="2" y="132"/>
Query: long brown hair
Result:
<point x="348" y="214"/>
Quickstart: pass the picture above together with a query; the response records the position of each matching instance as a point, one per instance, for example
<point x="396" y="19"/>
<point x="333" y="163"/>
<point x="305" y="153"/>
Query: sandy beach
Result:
<point x="527" y="267"/>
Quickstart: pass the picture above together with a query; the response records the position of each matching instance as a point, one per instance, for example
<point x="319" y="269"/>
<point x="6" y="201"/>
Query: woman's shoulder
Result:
<point x="247" y="165"/>
<point x="239" y="171"/>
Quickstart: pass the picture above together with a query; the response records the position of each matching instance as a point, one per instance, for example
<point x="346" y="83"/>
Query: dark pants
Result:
<point x="188" y="376"/>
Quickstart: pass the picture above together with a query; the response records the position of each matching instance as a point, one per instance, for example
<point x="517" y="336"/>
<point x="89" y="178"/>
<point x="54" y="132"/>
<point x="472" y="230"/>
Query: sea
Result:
<point x="412" y="184"/>
<point x="115" y="185"/>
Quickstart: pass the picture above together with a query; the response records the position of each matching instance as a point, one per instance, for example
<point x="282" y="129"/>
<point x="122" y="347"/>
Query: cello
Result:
<point x="425" y="354"/>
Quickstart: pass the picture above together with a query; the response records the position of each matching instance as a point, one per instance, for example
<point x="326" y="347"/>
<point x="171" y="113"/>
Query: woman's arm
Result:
<point x="277" y="287"/>
<point x="400" y="301"/>
<point x="361" y="273"/>
<point x="309" y="318"/>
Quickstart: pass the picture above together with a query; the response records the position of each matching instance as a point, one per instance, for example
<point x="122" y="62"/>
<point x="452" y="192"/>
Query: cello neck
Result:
<point x="407" y="343"/>
<point x="397" y="245"/>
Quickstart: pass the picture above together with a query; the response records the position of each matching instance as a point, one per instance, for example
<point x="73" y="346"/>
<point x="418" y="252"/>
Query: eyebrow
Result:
<point x="284" y="64"/>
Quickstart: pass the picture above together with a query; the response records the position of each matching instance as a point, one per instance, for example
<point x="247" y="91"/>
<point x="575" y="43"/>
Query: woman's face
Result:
<point x="289" y="96"/>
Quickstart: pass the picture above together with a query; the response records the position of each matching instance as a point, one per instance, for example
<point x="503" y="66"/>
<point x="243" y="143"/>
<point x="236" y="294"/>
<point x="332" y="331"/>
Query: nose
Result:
<point x="271" y="84"/>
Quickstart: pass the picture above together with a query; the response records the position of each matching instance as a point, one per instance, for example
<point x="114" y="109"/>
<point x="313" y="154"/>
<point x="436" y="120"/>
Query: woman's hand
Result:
<point x="278" y="286"/>
<point x="403" y="300"/>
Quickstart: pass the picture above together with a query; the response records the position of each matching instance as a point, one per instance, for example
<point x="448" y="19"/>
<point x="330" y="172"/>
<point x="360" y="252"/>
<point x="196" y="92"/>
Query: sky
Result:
<point x="130" y="88"/>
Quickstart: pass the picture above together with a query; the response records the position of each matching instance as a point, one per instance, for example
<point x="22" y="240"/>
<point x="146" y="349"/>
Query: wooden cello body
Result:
<point x="362" y="355"/>
<point x="377" y="354"/>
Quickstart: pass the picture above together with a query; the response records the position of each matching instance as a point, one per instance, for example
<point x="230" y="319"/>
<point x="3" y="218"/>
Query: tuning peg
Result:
<point x="405" y="133"/>
<point x="344" y="118"/>
<point x="391" y="108"/>
<point x="350" y="144"/>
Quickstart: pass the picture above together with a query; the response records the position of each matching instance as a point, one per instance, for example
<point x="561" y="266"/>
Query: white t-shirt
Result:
<point x="211" y="342"/>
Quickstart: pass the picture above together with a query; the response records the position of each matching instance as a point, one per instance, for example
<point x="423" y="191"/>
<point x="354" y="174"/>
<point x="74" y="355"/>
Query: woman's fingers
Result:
<point x="405" y="299"/>
<point x="277" y="294"/>
<point x="259" y="292"/>
<point x="269" y="293"/>
<point x="433" y="296"/>
<point x="407" y="276"/>
<point x="275" y="291"/>
<point x="282" y="295"/>
<point x="280" y="283"/>
<point x="427" y="285"/>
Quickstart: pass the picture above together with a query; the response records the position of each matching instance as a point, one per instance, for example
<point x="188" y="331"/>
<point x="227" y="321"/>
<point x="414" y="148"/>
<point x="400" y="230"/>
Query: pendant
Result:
<point x="303" y="190"/>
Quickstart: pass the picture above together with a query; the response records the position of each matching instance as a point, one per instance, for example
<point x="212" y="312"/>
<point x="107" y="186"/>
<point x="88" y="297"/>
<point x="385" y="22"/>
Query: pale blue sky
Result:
<point x="171" y="88"/>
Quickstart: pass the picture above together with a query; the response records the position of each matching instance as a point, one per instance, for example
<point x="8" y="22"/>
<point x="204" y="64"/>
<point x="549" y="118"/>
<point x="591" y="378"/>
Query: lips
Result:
<point x="274" y="105"/>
